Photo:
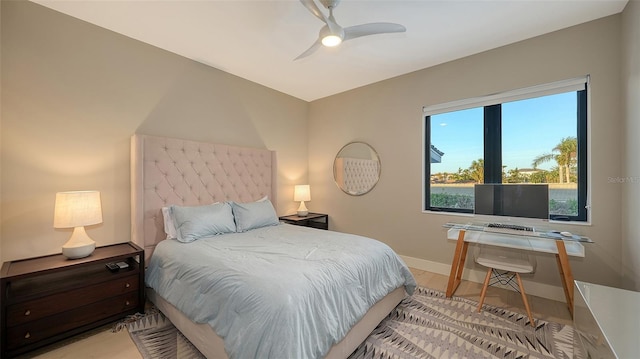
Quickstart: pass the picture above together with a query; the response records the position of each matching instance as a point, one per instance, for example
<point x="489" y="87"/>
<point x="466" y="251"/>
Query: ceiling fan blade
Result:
<point x="373" y="28"/>
<point x="310" y="50"/>
<point x="313" y="8"/>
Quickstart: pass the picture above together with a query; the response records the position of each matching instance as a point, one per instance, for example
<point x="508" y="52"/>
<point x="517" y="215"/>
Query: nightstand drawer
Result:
<point x="318" y="224"/>
<point x="46" y="327"/>
<point x="38" y="308"/>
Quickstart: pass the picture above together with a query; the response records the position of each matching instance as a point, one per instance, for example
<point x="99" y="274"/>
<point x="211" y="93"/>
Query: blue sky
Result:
<point x="530" y="128"/>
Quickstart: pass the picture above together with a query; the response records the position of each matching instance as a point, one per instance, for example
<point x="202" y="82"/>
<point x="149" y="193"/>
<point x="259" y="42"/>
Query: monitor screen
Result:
<point x="512" y="200"/>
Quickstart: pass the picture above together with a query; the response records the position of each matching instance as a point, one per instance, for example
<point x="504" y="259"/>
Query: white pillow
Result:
<point x="169" y="227"/>
<point x="193" y="223"/>
<point x="254" y="215"/>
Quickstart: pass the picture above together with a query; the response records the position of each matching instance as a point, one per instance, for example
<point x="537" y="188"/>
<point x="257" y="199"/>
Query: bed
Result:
<point x="296" y="307"/>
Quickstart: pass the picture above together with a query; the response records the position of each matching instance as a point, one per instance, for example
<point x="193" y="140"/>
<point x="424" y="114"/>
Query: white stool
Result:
<point x="511" y="264"/>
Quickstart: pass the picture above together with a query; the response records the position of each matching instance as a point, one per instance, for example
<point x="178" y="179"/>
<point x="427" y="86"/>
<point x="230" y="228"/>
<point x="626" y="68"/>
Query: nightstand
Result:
<point x="49" y="298"/>
<point x="313" y="220"/>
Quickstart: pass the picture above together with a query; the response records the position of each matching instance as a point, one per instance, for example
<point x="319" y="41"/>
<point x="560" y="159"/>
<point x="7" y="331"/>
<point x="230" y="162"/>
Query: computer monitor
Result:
<point x="512" y="200"/>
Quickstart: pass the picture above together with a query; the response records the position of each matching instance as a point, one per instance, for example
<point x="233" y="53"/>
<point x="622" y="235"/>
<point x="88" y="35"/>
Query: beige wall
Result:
<point x="631" y="129"/>
<point x="72" y="96"/>
<point x="388" y="115"/>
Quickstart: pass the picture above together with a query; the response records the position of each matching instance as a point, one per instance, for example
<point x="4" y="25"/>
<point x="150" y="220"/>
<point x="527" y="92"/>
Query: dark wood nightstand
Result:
<point x="313" y="220"/>
<point x="49" y="298"/>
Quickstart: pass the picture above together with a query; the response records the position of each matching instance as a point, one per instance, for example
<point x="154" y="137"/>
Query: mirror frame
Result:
<point x="373" y="152"/>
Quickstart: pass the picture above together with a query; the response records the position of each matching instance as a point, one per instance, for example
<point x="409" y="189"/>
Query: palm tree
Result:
<point x="569" y="151"/>
<point x="565" y="154"/>
<point x="477" y="170"/>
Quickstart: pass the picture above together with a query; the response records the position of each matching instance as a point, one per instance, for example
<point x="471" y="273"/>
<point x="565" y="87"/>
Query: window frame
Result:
<point x="493" y="139"/>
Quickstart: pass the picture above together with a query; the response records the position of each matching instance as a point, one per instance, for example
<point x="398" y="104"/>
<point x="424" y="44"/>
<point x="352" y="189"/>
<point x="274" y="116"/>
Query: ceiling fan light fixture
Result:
<point x="331" y="37"/>
<point x="332" y="34"/>
<point x="331" y="40"/>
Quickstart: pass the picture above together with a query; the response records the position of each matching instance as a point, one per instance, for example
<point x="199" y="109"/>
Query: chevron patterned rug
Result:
<point x="157" y="338"/>
<point x="425" y="325"/>
<point x="429" y="325"/>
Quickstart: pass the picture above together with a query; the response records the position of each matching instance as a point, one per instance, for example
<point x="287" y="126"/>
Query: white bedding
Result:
<point x="281" y="291"/>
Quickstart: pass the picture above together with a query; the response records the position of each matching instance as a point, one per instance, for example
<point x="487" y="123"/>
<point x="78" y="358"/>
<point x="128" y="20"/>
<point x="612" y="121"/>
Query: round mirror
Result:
<point x="356" y="168"/>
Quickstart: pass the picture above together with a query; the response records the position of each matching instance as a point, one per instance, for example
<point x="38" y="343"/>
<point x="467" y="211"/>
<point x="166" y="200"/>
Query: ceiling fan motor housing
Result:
<point x="330" y="4"/>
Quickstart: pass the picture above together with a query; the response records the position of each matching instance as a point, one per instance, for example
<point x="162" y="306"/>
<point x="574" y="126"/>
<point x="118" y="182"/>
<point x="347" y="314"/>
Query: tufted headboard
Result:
<point x="166" y="171"/>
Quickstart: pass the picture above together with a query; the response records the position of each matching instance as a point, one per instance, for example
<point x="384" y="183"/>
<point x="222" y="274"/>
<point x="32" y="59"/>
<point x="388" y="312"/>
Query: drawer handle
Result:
<point x="127" y="285"/>
<point x="27" y="336"/>
<point x="28" y="312"/>
<point x="127" y="303"/>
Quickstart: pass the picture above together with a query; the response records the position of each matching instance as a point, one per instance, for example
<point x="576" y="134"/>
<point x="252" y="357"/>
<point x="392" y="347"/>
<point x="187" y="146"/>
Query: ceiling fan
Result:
<point x="332" y="34"/>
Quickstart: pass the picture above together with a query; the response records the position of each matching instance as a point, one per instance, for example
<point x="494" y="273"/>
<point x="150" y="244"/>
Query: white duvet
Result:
<point x="282" y="291"/>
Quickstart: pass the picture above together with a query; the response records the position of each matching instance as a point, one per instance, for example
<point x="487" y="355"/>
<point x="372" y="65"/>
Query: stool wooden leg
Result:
<point x="484" y="289"/>
<point x="524" y="299"/>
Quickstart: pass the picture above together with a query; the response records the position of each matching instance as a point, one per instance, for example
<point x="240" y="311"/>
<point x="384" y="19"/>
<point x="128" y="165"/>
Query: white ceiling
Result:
<point x="258" y="40"/>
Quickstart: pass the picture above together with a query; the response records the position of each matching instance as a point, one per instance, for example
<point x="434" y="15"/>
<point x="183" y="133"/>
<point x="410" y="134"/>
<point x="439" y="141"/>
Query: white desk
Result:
<point x="545" y="242"/>
<point x="606" y="322"/>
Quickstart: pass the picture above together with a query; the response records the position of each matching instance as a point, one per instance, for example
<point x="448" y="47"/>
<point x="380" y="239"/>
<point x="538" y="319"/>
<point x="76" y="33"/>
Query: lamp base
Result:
<point x="79" y="245"/>
<point x="302" y="210"/>
<point x="78" y="252"/>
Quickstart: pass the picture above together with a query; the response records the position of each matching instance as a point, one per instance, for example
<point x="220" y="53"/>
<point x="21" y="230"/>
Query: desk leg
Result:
<point x="565" y="273"/>
<point x="457" y="265"/>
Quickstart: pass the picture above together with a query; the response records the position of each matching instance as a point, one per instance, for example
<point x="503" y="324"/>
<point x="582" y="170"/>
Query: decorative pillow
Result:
<point x="193" y="223"/>
<point x="254" y="215"/>
<point x="169" y="227"/>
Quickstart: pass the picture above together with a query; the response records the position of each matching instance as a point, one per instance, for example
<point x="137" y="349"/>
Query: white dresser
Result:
<point x="606" y="322"/>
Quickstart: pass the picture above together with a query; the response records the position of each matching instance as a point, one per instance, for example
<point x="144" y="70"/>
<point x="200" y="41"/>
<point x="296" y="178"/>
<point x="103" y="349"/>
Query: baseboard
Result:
<point x="533" y="288"/>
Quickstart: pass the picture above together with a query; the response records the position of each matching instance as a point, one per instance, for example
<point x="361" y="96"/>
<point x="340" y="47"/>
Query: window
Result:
<point x="533" y="135"/>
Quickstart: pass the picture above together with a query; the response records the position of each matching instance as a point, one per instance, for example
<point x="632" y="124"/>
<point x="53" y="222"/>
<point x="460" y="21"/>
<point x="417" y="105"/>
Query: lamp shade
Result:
<point x="302" y="193"/>
<point x="77" y="209"/>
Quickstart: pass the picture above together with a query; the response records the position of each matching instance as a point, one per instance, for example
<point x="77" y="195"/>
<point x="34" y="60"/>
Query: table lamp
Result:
<point x="75" y="210"/>
<point x="302" y="193"/>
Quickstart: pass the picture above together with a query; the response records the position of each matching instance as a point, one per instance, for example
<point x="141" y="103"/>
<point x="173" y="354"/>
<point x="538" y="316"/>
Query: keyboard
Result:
<point x="510" y="229"/>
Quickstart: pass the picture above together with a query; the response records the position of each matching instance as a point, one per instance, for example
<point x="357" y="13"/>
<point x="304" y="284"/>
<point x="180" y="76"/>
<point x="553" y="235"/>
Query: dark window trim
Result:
<point x="582" y="156"/>
<point x="493" y="144"/>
